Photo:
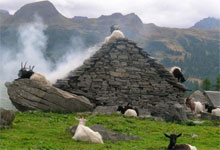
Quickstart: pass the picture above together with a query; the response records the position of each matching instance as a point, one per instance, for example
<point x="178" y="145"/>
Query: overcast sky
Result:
<point x="168" y="13"/>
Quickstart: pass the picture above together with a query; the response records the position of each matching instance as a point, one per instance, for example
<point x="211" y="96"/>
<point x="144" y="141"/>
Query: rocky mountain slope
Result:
<point x="195" y="50"/>
<point x="209" y="23"/>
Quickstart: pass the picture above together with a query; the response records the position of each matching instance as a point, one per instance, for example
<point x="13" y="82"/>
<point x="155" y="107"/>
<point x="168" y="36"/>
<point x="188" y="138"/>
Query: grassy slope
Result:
<point x="38" y="130"/>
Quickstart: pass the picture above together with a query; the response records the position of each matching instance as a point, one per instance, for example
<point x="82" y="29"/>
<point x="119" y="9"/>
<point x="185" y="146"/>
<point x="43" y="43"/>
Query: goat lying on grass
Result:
<point x="85" y="134"/>
<point x="174" y="146"/>
<point x="128" y="110"/>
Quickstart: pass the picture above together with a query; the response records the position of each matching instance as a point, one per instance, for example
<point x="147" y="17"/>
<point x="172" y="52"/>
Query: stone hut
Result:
<point x="120" y="72"/>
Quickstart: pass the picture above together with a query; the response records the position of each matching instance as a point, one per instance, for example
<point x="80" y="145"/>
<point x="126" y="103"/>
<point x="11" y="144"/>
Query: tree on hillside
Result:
<point x="217" y="85"/>
<point x="206" y="84"/>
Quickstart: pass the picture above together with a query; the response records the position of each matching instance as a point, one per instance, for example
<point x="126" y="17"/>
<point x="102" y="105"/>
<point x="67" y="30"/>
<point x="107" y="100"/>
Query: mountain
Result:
<point x="195" y="50"/>
<point x="209" y="23"/>
<point x="4" y="14"/>
<point x="43" y="9"/>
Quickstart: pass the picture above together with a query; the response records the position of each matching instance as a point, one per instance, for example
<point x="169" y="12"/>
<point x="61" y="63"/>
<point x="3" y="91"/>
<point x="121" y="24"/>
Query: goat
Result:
<point x="216" y="112"/>
<point x="195" y="107"/>
<point x="30" y="74"/>
<point x="128" y="110"/>
<point x="174" y="146"/>
<point x="85" y="134"/>
<point x="115" y="34"/>
<point x="209" y="108"/>
<point x="176" y="72"/>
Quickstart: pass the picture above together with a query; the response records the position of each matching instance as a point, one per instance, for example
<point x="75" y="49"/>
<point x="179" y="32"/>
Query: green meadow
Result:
<point x="45" y="131"/>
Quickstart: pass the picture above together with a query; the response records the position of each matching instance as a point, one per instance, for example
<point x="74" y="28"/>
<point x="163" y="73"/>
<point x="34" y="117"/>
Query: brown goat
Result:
<point x="190" y="103"/>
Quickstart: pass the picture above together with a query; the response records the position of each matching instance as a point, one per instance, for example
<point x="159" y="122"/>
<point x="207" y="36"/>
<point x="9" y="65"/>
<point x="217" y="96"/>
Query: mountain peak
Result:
<point x="42" y="8"/>
<point x="4" y="12"/>
<point x="209" y="23"/>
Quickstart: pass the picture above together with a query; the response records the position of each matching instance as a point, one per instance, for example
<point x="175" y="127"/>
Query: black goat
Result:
<point x="24" y="73"/>
<point x="210" y="108"/>
<point x="173" y="146"/>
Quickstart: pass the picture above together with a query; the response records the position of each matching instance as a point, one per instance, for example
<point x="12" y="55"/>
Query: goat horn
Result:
<point x="21" y="65"/>
<point x="25" y="65"/>
<point x="32" y="67"/>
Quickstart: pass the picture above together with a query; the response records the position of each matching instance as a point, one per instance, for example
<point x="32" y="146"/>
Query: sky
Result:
<point x="165" y="13"/>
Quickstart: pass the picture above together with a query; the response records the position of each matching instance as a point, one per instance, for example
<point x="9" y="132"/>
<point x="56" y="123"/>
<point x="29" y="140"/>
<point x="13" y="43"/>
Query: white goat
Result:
<point x="86" y="134"/>
<point x="216" y="112"/>
<point x="196" y="107"/>
<point x="115" y="35"/>
<point x="130" y="113"/>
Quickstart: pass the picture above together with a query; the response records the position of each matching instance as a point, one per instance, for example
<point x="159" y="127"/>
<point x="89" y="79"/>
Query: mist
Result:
<point x="32" y="43"/>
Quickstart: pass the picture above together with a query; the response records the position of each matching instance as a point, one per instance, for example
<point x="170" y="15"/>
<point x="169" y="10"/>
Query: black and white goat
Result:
<point x="196" y="107"/>
<point x="115" y="34"/>
<point x="128" y="110"/>
<point x="176" y="72"/>
<point x="213" y="110"/>
<point x="30" y="74"/>
<point x="209" y="108"/>
<point x="174" y="146"/>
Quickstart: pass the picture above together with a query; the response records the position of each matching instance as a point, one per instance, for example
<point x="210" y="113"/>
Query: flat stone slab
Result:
<point x="26" y="94"/>
<point x="209" y="116"/>
<point x="107" y="134"/>
<point x="213" y="98"/>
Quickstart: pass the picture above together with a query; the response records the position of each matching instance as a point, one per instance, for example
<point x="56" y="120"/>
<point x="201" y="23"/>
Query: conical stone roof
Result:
<point x="121" y="72"/>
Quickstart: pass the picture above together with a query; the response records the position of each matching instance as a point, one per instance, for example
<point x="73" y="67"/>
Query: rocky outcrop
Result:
<point x="106" y="133"/>
<point x="121" y="72"/>
<point x="28" y="94"/>
<point x="6" y="117"/>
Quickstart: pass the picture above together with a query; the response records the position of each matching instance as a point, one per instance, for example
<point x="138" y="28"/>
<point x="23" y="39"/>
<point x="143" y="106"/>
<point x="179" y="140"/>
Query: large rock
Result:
<point x="106" y="133"/>
<point x="6" y="117"/>
<point x="28" y="94"/>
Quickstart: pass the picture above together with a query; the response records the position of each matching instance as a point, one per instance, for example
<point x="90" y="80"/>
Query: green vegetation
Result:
<point x="206" y="84"/>
<point x="39" y="130"/>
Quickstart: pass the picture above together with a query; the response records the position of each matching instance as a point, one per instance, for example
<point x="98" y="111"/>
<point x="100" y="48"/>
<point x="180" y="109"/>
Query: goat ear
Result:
<point x="166" y="135"/>
<point x="179" y="135"/>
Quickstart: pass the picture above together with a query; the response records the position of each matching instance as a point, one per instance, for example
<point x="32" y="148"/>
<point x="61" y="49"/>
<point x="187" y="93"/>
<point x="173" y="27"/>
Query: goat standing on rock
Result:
<point x="115" y="34"/>
<point x="176" y="72"/>
<point x="174" y="146"/>
<point x="30" y="74"/>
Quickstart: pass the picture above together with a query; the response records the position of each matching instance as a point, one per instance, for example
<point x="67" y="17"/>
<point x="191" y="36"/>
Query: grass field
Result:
<point x="39" y="130"/>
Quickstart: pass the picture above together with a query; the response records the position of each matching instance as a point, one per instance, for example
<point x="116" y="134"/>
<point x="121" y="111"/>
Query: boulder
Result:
<point x="6" y="117"/>
<point x="174" y="112"/>
<point x="106" y="133"/>
<point x="27" y="94"/>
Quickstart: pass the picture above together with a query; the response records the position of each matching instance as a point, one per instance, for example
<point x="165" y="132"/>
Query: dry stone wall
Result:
<point x="121" y="72"/>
